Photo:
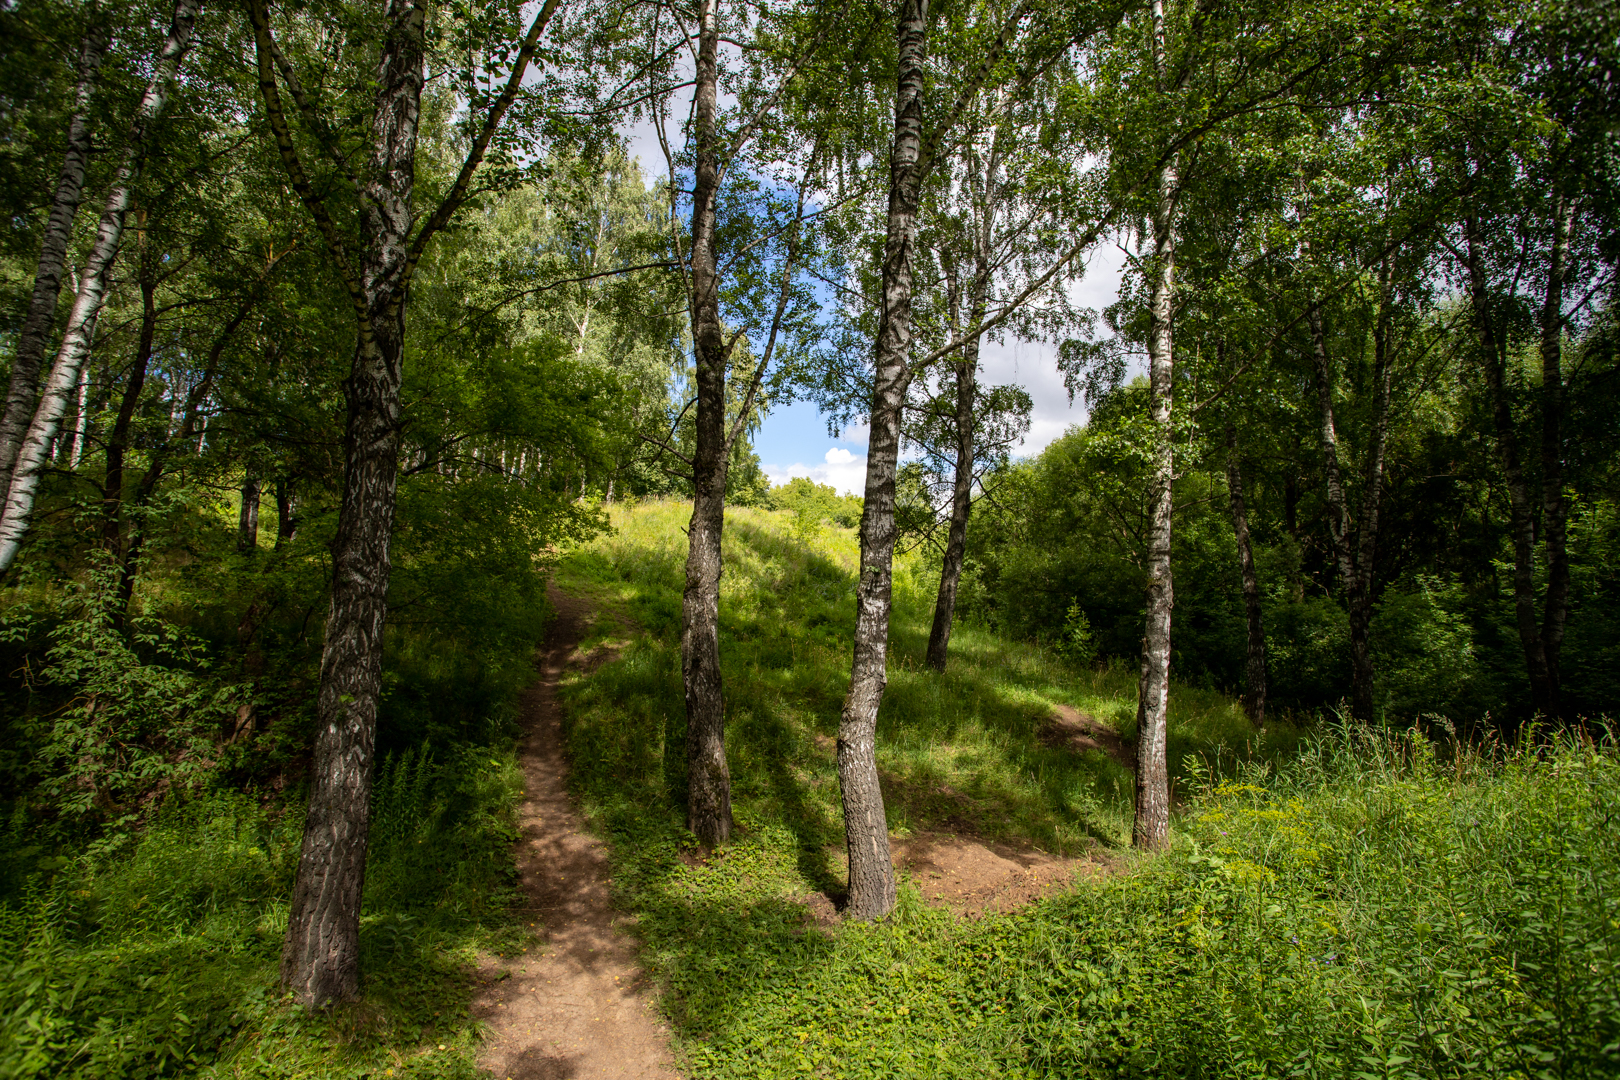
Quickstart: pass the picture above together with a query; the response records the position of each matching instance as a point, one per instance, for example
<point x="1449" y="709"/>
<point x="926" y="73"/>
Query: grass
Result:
<point x="162" y="962"/>
<point x="963" y="751"/>
<point x="1341" y="904"/>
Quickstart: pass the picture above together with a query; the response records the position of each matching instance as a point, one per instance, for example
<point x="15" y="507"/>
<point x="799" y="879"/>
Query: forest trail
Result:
<point x="1080" y="731"/>
<point x="577" y="1005"/>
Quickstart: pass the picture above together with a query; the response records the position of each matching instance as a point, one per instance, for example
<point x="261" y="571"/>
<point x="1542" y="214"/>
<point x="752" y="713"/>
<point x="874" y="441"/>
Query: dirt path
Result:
<point x="576" y="1006"/>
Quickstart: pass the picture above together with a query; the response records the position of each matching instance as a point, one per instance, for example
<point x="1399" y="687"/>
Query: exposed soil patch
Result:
<point x="577" y="1005"/>
<point x="972" y="876"/>
<point x="1079" y="731"/>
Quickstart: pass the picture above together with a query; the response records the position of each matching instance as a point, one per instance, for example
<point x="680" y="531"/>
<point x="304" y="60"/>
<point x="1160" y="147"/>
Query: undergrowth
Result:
<point x="1339" y="905"/>
<point x="162" y="961"/>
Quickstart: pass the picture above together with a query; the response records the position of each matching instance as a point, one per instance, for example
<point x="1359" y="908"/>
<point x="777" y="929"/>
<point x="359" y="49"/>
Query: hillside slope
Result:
<point x="1356" y="907"/>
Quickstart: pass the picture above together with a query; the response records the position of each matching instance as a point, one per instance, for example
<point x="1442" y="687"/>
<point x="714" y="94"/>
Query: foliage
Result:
<point x="1077" y="642"/>
<point x="1368" y="904"/>
<point x="1066" y="527"/>
<point x="142" y="715"/>
<point x="811" y="504"/>
<point x="161" y="961"/>
<point x="1370" y="909"/>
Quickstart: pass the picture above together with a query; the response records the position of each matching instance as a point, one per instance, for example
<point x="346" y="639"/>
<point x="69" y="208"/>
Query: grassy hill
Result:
<point x="971" y="749"/>
<point x="1344" y="904"/>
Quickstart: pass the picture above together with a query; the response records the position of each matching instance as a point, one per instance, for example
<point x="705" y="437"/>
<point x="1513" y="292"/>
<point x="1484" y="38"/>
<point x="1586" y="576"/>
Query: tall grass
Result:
<point x="163" y="962"/>
<point x="1341" y="905"/>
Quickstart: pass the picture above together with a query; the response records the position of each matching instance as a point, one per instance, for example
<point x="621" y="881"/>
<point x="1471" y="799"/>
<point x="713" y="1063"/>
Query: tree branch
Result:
<point x="475" y="156"/>
<point x="264" y="47"/>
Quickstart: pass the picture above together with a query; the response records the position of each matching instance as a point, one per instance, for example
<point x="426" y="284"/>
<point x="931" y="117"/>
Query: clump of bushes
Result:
<point x="160" y="960"/>
<point x="1381" y="907"/>
<point x="811" y="504"/>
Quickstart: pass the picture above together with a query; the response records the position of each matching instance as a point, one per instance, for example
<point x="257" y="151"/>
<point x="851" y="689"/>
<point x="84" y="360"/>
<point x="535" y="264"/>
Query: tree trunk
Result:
<point x="1151" y="830"/>
<point x="112" y="486"/>
<point x="64" y="377"/>
<point x="36" y="324"/>
<point x="81" y="421"/>
<point x="708" y="781"/>
<point x="984" y="182"/>
<point x="1254" y="687"/>
<point x="247" y="522"/>
<point x="321" y="952"/>
<point x="1554" y="508"/>
<point x="1493" y="356"/>
<point x="866" y="828"/>
<point x="1372" y="497"/>
<point x="950" y="574"/>
<point x="1356" y="600"/>
<point x="286" y="512"/>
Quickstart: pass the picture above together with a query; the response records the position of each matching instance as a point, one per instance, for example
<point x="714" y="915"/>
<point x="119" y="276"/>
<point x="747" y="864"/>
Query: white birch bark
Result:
<point x="59" y="389"/>
<point x="36" y="324"/>
<point x="1151" y="829"/>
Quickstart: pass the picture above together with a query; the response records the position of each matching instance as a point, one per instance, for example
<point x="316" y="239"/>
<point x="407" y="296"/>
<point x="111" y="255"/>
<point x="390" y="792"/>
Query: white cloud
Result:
<point x="1033" y="364"/>
<point x="843" y="471"/>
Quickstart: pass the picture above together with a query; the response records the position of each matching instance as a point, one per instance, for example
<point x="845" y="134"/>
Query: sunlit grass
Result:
<point x="962" y="751"/>
<point x="1344" y="904"/>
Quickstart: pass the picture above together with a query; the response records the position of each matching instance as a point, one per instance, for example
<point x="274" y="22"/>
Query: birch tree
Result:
<point x="375" y="261"/>
<point x="33" y="454"/>
<point x="767" y="244"/>
<point x="35" y="330"/>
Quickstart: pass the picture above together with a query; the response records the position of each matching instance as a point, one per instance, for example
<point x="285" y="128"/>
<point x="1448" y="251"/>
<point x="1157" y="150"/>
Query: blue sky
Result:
<point x="793" y="440"/>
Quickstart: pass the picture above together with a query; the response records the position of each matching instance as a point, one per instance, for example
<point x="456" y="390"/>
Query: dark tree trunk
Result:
<point x="320" y="954"/>
<point x="286" y="512"/>
<point x="950" y="574"/>
<point x="112" y="487"/>
<point x="1254" y="687"/>
<point x="247" y="522"/>
<point x="984" y="182"/>
<point x="36" y="325"/>
<point x="33" y="454"/>
<point x="1372" y="497"/>
<point x="1554" y="508"/>
<point x="708" y="781"/>
<point x="1350" y="577"/>
<point x="1493" y="357"/>
<point x="866" y="829"/>
<point x="1296" y="582"/>
<point x="1151" y="830"/>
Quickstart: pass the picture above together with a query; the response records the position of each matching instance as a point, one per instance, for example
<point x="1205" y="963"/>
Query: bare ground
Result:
<point x="577" y="1005"/>
<point x="1080" y="731"/>
<point x="972" y="877"/>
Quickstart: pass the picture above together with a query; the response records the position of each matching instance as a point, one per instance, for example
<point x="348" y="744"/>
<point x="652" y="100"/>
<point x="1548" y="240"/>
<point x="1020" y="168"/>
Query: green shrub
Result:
<point x="162" y="960"/>
<point x="1368" y="912"/>
<point x="1423" y="649"/>
<point x="144" y="714"/>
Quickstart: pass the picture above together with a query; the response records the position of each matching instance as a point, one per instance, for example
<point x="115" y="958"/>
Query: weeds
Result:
<point x="1345" y="905"/>
<point x="162" y="962"/>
